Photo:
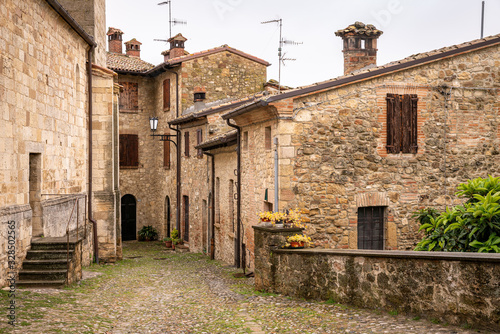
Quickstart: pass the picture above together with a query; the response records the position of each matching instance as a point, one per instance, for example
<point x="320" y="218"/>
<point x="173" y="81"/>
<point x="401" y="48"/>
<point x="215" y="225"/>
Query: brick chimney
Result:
<point x="115" y="40"/>
<point x="133" y="48"/>
<point x="199" y="98"/>
<point x="176" y="47"/>
<point x="360" y="46"/>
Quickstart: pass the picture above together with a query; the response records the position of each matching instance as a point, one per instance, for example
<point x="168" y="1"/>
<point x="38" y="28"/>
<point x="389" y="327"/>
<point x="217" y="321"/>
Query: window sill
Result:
<point x="167" y="168"/>
<point x="129" y="167"/>
<point x="129" y="111"/>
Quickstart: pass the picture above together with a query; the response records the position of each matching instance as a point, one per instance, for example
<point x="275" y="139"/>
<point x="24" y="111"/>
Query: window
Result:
<point x="371" y="227"/>
<point x="166" y="95"/>
<point x="129" y="150"/>
<point x="402" y="123"/>
<point x="129" y="98"/>
<point x="267" y="138"/>
<point x="245" y="140"/>
<point x="199" y="139"/>
<point x="166" y="153"/>
<point x="186" y="144"/>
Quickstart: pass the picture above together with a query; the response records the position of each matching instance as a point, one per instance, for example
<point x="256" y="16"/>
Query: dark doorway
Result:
<point x="167" y="216"/>
<point x="186" y="218"/>
<point x="204" y="227"/>
<point x="129" y="224"/>
<point x="371" y="227"/>
<point x="35" y="181"/>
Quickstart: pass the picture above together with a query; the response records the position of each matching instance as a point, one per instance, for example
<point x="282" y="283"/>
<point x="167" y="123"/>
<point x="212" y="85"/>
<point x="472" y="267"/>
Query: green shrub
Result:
<point x="471" y="227"/>
<point x="148" y="233"/>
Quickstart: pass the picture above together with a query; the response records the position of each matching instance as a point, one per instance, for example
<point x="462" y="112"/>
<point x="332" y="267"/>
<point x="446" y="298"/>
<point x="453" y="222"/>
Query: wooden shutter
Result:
<point x="199" y="139"/>
<point x="129" y="150"/>
<point x="414" y="124"/>
<point x="186" y="143"/>
<point x="409" y="124"/>
<point x="393" y="123"/>
<point x="166" y="94"/>
<point x="129" y="97"/>
<point x="166" y="153"/>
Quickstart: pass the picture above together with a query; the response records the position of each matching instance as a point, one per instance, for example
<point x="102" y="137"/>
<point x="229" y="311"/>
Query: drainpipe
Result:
<point x="178" y="156"/>
<point x="276" y="176"/>
<point x="89" y="82"/>
<point x="212" y="211"/>
<point x="238" y="194"/>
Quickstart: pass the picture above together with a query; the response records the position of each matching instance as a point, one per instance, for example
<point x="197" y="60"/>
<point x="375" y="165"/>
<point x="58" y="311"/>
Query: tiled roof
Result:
<point x="112" y="31"/>
<point x="214" y="107"/>
<point x="359" y="28"/>
<point x="133" y="41"/>
<point x="215" y="50"/>
<point x="368" y="73"/>
<point x="123" y="63"/>
<point x="223" y="139"/>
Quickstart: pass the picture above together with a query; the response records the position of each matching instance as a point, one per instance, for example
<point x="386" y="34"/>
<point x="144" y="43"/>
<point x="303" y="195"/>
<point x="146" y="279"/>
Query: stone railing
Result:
<point x="458" y="288"/>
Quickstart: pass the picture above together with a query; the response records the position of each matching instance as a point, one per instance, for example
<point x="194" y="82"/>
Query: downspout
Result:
<point x="90" y="94"/>
<point x="238" y="194"/>
<point x="178" y="176"/>
<point x="212" y="211"/>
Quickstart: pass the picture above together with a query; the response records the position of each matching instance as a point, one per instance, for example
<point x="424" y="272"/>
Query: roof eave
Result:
<point x="71" y="21"/>
<point x="246" y="108"/>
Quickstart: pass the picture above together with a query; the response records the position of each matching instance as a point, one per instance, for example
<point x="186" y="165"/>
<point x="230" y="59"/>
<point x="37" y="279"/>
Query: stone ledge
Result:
<point x="14" y="209"/>
<point x="277" y="229"/>
<point x="458" y="256"/>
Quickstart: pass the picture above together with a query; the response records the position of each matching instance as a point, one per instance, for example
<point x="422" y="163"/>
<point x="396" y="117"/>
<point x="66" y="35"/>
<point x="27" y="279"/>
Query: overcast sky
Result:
<point x="410" y="26"/>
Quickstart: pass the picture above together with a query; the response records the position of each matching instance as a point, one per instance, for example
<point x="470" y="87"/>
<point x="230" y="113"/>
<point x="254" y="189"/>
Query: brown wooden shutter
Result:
<point x="166" y="153"/>
<point x="186" y="143"/>
<point x="134" y="96"/>
<point x="199" y="139"/>
<point x="406" y="124"/>
<point x="129" y="150"/>
<point x="124" y="96"/>
<point x="166" y="94"/>
<point x="393" y="123"/>
<point x="414" y="124"/>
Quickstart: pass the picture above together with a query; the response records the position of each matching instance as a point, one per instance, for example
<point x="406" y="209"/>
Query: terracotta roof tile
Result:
<point x="124" y="63"/>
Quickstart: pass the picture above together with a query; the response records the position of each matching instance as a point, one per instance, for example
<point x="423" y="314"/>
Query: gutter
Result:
<point x="212" y="210"/>
<point x="237" y="241"/>
<point x="89" y="82"/>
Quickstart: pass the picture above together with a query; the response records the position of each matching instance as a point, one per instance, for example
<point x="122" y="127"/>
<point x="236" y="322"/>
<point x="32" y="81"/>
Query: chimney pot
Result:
<point x="115" y="40"/>
<point x="133" y="48"/>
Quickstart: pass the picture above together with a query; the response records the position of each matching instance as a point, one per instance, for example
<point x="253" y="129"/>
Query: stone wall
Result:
<point x="224" y="74"/>
<point x="57" y="213"/>
<point x="457" y="288"/>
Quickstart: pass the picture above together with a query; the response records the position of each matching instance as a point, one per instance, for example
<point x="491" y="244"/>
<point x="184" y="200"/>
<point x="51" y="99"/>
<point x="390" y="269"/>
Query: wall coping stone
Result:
<point x="277" y="229"/>
<point x="13" y="209"/>
<point x="438" y="256"/>
<point x="62" y="199"/>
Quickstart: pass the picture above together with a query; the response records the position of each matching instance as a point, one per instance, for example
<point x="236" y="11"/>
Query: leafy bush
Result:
<point x="148" y="233"/>
<point x="471" y="227"/>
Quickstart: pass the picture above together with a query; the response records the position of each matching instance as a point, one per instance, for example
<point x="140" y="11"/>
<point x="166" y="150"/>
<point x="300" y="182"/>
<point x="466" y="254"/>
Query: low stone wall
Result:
<point x="18" y="216"/>
<point x="57" y="212"/>
<point x="458" y="288"/>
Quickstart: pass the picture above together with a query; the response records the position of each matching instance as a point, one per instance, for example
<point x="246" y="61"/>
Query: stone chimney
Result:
<point x="133" y="48"/>
<point x="115" y="40"/>
<point x="360" y="46"/>
<point x="199" y="98"/>
<point x="176" y="47"/>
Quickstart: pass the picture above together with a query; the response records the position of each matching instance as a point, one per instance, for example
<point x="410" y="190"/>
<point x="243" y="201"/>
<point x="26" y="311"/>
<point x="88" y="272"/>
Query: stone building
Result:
<point x="360" y="153"/>
<point x="155" y="174"/>
<point x="52" y="81"/>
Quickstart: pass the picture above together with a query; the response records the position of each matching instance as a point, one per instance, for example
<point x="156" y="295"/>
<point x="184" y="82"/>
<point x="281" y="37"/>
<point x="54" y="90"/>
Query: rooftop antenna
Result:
<point x="170" y="21"/>
<point x="482" y="19"/>
<point x="281" y="56"/>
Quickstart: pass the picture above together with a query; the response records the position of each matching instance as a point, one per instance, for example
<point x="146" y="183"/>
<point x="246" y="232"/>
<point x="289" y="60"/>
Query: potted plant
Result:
<point x="293" y="218"/>
<point x="298" y="241"/>
<point x="148" y="233"/>
<point x="168" y="242"/>
<point x="175" y="237"/>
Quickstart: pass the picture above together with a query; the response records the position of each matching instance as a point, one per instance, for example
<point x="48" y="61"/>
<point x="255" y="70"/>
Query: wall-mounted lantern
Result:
<point x="153" y="124"/>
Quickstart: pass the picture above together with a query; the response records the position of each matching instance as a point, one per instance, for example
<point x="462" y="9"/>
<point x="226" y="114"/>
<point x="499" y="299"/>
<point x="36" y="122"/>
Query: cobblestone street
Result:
<point x="154" y="290"/>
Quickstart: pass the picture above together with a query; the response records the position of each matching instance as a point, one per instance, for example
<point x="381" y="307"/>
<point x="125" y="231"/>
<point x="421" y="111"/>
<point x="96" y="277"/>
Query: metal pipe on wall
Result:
<point x="212" y="209"/>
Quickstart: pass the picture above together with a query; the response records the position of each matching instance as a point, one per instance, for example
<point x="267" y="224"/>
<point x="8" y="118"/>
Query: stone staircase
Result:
<point x="46" y="263"/>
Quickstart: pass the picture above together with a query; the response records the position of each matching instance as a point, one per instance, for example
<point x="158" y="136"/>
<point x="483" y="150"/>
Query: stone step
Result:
<point x="47" y="245"/>
<point x="45" y="264"/>
<point x="48" y="254"/>
<point x="40" y="284"/>
<point x="42" y="275"/>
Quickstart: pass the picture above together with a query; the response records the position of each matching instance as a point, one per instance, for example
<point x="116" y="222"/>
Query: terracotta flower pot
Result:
<point x="168" y="244"/>
<point x="296" y="244"/>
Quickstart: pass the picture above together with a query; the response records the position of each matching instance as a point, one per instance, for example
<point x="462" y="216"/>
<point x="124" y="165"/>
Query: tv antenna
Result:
<point x="281" y="56"/>
<point x="170" y="20"/>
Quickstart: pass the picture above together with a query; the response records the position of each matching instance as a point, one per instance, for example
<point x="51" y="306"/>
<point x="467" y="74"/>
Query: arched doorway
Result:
<point x="129" y="223"/>
<point x="167" y="216"/>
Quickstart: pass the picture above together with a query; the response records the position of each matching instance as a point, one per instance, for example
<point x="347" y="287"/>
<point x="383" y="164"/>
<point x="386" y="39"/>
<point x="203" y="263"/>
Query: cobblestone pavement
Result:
<point x="154" y="290"/>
